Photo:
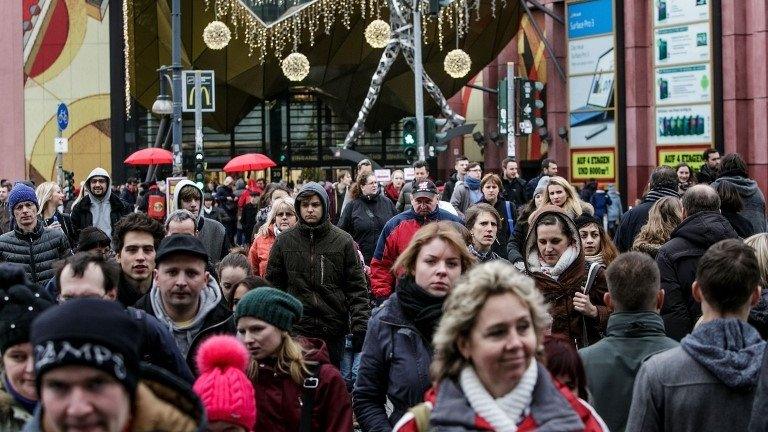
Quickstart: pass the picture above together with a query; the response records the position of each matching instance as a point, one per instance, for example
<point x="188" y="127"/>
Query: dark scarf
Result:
<point x="28" y="404"/>
<point x="419" y="307"/>
<point x="732" y="173"/>
<point x="656" y="194"/>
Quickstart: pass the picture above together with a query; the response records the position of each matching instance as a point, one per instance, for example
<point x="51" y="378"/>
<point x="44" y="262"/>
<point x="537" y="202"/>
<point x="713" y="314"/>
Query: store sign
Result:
<point x="599" y="165"/>
<point x="592" y="77"/>
<point x="684" y="124"/>
<point x="669" y="12"/>
<point x="691" y="156"/>
<point x="383" y="175"/>
<point x="683" y="84"/>
<point x="682" y="44"/>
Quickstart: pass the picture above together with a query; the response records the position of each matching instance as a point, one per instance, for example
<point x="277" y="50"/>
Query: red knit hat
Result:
<point x="225" y="390"/>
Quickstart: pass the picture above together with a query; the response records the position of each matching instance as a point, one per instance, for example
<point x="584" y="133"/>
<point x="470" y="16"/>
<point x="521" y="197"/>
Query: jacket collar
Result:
<point x="635" y="324"/>
<point x="38" y="231"/>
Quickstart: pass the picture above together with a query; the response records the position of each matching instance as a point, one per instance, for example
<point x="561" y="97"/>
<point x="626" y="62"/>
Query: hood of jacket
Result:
<point x="306" y="190"/>
<point x="177" y="192"/>
<point x="746" y="186"/>
<point x="730" y="349"/>
<point x="98" y="172"/>
<point x="530" y="241"/>
<point x="316" y="350"/>
<point x="210" y="297"/>
<point x="704" y="229"/>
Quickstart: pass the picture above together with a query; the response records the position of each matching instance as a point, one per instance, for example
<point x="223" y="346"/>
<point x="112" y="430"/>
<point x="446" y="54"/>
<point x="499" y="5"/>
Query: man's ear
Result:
<point x="660" y="299"/>
<point x="755" y="298"/>
<point x="696" y="291"/>
<point x="607" y="300"/>
<point x="111" y="295"/>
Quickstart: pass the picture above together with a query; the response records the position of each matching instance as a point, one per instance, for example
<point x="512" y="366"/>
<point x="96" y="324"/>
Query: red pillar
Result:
<point x="13" y="164"/>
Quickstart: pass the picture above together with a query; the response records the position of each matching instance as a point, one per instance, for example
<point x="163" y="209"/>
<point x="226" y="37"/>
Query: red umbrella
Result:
<point x="249" y="162"/>
<point x="150" y="156"/>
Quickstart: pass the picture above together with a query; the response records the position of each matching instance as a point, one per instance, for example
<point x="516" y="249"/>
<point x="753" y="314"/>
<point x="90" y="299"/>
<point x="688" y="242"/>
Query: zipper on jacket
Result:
<point x="32" y="265"/>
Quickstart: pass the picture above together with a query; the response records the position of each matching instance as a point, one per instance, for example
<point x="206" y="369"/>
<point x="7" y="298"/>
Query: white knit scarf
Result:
<point x="598" y="258"/>
<point x="535" y="262"/>
<point x="502" y="413"/>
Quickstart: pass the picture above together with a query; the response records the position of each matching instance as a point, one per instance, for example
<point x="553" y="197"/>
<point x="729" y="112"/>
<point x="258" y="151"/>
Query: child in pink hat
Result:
<point x="226" y="392"/>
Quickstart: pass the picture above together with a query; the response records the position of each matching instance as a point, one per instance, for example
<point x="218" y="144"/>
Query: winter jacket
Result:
<point x="612" y="363"/>
<point x="318" y="264"/>
<point x="516" y="242"/>
<point x="677" y="261"/>
<point x="392" y="193"/>
<point x="394" y="367"/>
<point x="553" y="408"/>
<point x="66" y="226"/>
<point x="36" y="251"/>
<point x="210" y="232"/>
<point x="214" y="317"/>
<point x="404" y="201"/>
<point x="752" y="198"/>
<point x="392" y="242"/>
<point x="601" y="202"/>
<point x="507" y="224"/>
<point x="248" y="220"/>
<point x="615" y="208"/>
<point x="634" y="219"/>
<point x="514" y="190"/>
<point x="216" y="214"/>
<point x="82" y="212"/>
<point x="157" y="346"/>
<point x="163" y="403"/>
<point x="759" y="421"/>
<point x="462" y="197"/>
<point x="364" y="219"/>
<point x="450" y="185"/>
<point x="5" y="217"/>
<point x="129" y="197"/>
<point x="279" y="398"/>
<point x="559" y="293"/>
<point x="706" y="384"/>
<point x="258" y="254"/>
<point x="706" y="175"/>
<point x="13" y="416"/>
<point x="739" y="223"/>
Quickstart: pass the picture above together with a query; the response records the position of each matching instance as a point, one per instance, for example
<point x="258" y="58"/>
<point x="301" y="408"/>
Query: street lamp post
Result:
<point x="176" y="84"/>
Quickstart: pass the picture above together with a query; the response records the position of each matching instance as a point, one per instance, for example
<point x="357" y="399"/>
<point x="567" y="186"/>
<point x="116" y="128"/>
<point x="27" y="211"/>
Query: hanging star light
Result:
<point x="457" y="63"/>
<point x="216" y="35"/>
<point x="295" y="66"/>
<point x="377" y="33"/>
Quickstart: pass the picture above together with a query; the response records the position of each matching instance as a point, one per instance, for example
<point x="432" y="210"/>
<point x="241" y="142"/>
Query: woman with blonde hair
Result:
<point x="281" y="216"/>
<point x="283" y="368"/>
<point x="758" y="315"/>
<point x="485" y="368"/>
<point x="562" y="194"/>
<point x="397" y="350"/>
<point x="50" y="197"/>
<point x="665" y="215"/>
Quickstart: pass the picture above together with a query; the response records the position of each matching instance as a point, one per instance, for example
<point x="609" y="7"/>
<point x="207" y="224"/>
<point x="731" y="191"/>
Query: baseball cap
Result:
<point x="182" y="244"/>
<point x="424" y="188"/>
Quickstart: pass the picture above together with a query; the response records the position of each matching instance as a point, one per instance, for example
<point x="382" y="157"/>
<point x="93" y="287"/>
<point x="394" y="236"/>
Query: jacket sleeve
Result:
<point x="253" y="257"/>
<point x="622" y="239"/>
<point x="276" y="267"/>
<point x="372" y="380"/>
<point x="456" y="197"/>
<point x="345" y="221"/>
<point x="332" y="401"/>
<point x="645" y="412"/>
<point x="677" y="320"/>
<point x="596" y="293"/>
<point x="382" y="278"/>
<point x="401" y="200"/>
<point x="516" y="240"/>
<point x="355" y="290"/>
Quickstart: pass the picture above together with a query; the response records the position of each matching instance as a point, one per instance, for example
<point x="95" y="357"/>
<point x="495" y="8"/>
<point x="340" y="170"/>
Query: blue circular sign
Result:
<point x="62" y="116"/>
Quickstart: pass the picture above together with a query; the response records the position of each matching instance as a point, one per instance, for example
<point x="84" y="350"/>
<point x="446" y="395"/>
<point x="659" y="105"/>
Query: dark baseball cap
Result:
<point x="424" y="188"/>
<point x="180" y="244"/>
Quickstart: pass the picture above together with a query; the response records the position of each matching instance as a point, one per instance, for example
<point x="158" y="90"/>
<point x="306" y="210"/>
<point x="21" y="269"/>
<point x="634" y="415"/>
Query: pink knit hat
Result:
<point x="225" y="390"/>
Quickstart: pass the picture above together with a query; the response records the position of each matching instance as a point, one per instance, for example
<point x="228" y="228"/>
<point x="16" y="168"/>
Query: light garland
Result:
<point x="295" y="66"/>
<point x="377" y="33"/>
<point x="457" y="63"/>
<point x="216" y="35"/>
<point x="127" y="58"/>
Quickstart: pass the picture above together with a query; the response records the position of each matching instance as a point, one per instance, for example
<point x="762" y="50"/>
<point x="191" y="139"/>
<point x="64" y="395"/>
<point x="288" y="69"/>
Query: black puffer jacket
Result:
<point x="364" y="219"/>
<point x="36" y="251"/>
<point x="677" y="261"/>
<point x="319" y="266"/>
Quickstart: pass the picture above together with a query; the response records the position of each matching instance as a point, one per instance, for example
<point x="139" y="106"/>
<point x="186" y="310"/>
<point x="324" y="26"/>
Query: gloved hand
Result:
<point x="357" y="341"/>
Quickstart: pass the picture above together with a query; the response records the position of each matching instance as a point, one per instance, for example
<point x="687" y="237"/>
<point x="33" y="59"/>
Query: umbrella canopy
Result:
<point x="150" y="156"/>
<point x="249" y="162"/>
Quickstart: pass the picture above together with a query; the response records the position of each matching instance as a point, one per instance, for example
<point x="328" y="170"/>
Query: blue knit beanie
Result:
<point x="19" y="194"/>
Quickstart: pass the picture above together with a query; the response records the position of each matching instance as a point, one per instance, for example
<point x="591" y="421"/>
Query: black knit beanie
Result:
<point x="89" y="332"/>
<point x="19" y="306"/>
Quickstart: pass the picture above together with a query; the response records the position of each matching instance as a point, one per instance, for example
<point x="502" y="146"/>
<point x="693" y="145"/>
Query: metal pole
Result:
<point x="511" y="117"/>
<point x="59" y="165"/>
<point x="198" y="113"/>
<point x="418" y="82"/>
<point x="176" y="81"/>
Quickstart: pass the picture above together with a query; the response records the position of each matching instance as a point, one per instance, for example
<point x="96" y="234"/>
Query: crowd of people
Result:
<point x="482" y="303"/>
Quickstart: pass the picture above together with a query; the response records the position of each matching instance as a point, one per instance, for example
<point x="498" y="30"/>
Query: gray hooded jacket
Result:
<point x="210" y="232"/>
<point x="102" y="212"/>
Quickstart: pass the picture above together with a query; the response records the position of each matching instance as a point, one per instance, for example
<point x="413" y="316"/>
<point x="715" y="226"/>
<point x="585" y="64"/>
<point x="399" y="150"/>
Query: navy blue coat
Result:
<point x="394" y="364"/>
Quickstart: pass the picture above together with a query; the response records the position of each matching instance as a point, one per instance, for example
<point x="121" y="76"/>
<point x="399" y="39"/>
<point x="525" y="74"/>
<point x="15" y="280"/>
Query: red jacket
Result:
<point x="394" y="238"/>
<point x="258" y="254"/>
<point x="391" y="192"/>
<point x="278" y="397"/>
<point x="553" y="407"/>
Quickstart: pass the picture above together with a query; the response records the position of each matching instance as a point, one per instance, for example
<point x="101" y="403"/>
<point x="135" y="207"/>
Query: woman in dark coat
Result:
<point x="365" y="216"/>
<point x="398" y="344"/>
<point x="555" y="260"/>
<point x="492" y="188"/>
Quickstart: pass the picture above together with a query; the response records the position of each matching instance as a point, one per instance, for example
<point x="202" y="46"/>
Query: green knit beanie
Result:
<point x="276" y="307"/>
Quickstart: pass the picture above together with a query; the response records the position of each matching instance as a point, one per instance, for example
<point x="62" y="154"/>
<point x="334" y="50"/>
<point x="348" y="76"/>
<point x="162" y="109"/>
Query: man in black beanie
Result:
<point x="88" y="373"/>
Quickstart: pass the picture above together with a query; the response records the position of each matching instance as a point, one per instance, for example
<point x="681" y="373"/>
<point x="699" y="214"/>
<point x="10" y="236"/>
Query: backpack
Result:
<point x="156" y="207"/>
<point x="421" y="414"/>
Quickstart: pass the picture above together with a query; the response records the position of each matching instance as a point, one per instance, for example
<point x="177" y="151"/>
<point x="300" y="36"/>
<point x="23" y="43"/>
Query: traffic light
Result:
<point x="285" y="154"/>
<point x="69" y="185"/>
<point x="410" y="139"/>
<point x="529" y="105"/>
<point x="199" y="169"/>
